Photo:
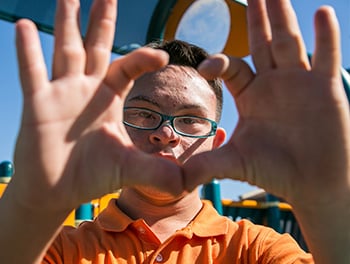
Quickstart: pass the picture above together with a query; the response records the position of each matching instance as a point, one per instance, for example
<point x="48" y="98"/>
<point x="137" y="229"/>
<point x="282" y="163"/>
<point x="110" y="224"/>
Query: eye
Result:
<point x="188" y="120"/>
<point x="140" y="113"/>
<point x="145" y="114"/>
<point x="141" y="118"/>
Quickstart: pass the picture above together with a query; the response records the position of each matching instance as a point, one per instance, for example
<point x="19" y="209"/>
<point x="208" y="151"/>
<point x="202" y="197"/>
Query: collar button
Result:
<point x="159" y="258"/>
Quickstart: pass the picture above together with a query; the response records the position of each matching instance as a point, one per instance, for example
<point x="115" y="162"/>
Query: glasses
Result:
<point x="189" y="126"/>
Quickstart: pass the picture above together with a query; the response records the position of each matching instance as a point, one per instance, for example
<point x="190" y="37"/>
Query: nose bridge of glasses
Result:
<point x="167" y="120"/>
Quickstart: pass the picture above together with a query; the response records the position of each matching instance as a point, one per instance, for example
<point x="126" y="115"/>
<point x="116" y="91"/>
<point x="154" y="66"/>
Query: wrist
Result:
<point x="327" y="235"/>
<point x="29" y="232"/>
<point x="15" y="201"/>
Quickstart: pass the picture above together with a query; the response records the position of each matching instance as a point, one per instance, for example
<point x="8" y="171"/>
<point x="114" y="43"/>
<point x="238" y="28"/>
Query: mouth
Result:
<point x="168" y="156"/>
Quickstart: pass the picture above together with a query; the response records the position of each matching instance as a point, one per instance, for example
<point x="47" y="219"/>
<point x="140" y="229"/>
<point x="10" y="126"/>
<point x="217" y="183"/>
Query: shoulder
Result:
<point x="268" y="245"/>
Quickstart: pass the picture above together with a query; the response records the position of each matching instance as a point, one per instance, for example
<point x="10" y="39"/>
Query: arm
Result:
<point x="72" y="146"/>
<point x="292" y="138"/>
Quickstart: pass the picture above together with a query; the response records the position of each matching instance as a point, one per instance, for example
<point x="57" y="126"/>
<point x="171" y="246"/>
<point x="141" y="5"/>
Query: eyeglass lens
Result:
<point x="146" y="119"/>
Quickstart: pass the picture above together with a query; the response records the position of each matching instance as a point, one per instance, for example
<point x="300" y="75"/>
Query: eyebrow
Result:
<point x="145" y="98"/>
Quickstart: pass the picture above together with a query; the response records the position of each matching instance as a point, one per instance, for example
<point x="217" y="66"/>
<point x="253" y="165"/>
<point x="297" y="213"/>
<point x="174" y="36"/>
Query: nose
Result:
<point x="165" y="135"/>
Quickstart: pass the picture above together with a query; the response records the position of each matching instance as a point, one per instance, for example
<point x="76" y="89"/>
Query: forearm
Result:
<point x="25" y="234"/>
<point x="327" y="232"/>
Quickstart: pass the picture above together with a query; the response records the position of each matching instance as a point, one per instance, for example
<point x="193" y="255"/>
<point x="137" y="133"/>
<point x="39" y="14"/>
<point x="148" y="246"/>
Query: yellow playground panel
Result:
<point x="96" y="206"/>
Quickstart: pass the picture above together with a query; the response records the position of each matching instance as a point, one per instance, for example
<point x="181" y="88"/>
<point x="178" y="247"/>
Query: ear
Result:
<point x="219" y="137"/>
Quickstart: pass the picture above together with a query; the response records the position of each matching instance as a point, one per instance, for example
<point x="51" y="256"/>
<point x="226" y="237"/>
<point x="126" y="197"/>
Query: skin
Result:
<point x="175" y="90"/>
<point x="292" y="137"/>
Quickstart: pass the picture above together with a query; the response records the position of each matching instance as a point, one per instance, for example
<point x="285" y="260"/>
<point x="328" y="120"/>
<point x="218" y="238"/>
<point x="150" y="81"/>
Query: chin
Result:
<point x="158" y="197"/>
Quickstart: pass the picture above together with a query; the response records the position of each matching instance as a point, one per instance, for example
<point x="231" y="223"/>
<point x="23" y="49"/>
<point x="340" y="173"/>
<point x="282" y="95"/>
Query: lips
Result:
<point x="168" y="156"/>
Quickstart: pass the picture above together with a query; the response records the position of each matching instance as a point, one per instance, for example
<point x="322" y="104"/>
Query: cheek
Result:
<point x="206" y="145"/>
<point x="139" y="138"/>
<point x="193" y="148"/>
<point x="197" y="146"/>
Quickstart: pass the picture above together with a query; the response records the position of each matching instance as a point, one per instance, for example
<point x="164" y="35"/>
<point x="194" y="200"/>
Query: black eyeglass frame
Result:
<point x="170" y="118"/>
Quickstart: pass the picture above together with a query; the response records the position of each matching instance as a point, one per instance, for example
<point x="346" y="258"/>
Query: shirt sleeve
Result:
<point x="274" y="248"/>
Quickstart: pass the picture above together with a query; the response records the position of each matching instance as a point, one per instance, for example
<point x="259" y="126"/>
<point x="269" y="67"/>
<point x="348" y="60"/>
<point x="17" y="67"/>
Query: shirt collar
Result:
<point x="113" y="219"/>
<point x="207" y="223"/>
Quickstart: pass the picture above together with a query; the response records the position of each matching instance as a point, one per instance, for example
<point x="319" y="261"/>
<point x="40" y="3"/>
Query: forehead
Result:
<point x="174" y="87"/>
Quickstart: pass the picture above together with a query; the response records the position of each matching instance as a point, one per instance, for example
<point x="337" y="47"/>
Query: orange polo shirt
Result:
<point x="210" y="238"/>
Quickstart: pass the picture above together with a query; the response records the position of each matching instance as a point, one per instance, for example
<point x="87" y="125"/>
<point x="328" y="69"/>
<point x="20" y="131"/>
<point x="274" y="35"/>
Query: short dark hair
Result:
<point x="185" y="54"/>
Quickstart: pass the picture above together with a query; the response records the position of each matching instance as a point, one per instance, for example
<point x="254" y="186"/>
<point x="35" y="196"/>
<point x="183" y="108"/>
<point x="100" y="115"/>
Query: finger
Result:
<point x="130" y="166"/>
<point x="154" y="172"/>
<point x="327" y="57"/>
<point x="259" y="35"/>
<point x="100" y="35"/>
<point x="123" y="71"/>
<point x="288" y="48"/>
<point x="233" y="71"/>
<point x="31" y="62"/>
<point x="69" y="54"/>
<point x="220" y="163"/>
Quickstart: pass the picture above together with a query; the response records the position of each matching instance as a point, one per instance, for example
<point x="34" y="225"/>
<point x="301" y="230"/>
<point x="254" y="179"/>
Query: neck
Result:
<point x="163" y="216"/>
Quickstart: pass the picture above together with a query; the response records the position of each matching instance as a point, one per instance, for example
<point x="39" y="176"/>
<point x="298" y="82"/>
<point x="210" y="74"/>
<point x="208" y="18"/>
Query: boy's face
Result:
<point x="175" y="90"/>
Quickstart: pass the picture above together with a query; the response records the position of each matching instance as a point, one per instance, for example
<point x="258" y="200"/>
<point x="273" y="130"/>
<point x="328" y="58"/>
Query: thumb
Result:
<point x="224" y="162"/>
<point x="148" y="170"/>
<point x="123" y="71"/>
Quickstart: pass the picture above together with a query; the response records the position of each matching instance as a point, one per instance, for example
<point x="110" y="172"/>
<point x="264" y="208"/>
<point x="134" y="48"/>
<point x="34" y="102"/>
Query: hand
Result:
<point x="72" y="145"/>
<point x="292" y="135"/>
<point x="292" y="138"/>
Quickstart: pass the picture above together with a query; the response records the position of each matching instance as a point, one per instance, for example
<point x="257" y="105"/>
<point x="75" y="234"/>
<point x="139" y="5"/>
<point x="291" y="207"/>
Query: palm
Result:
<point x="276" y="145"/>
<point x="72" y="145"/>
<point x="66" y="129"/>
<point x="272" y="136"/>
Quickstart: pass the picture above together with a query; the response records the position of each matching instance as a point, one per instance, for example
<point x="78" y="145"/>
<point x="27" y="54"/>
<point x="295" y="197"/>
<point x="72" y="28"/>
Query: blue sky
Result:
<point x="10" y="92"/>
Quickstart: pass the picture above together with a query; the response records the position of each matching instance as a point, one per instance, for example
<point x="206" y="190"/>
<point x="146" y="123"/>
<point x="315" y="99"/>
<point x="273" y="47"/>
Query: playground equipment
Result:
<point x="151" y="20"/>
<point x="6" y="171"/>
<point x="269" y="211"/>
